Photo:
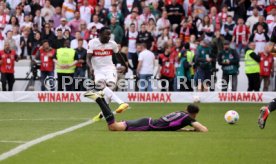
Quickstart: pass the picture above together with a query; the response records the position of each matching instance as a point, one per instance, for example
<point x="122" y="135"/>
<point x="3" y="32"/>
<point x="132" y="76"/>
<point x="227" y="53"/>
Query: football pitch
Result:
<point x="243" y="142"/>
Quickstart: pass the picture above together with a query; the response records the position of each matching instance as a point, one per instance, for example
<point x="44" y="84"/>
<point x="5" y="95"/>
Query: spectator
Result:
<point x="199" y="10"/>
<point x="223" y="14"/>
<point x="271" y="27"/>
<point x="146" y="15"/>
<point x="203" y="60"/>
<point x="74" y="24"/>
<point x="65" y="60"/>
<point x="48" y="11"/>
<point x="8" y="57"/>
<point x="102" y="14"/>
<point x="260" y="38"/>
<point x="261" y="22"/>
<point x="269" y="7"/>
<point x="25" y="44"/>
<point x="133" y="18"/>
<point x="93" y="33"/>
<point x="206" y="28"/>
<point x="240" y="11"/>
<point x="45" y="56"/>
<point x="145" y="37"/>
<point x="270" y="17"/>
<point x="13" y="4"/>
<point x="4" y="18"/>
<point x="252" y="68"/>
<point x="193" y="44"/>
<point x="131" y="37"/>
<point x="34" y="6"/>
<point x="75" y="42"/>
<point x="241" y="36"/>
<point x="16" y="36"/>
<point x="81" y="64"/>
<point x="39" y="20"/>
<point x="163" y="22"/>
<point x="67" y="35"/>
<point x="95" y="23"/>
<point x="116" y="30"/>
<point x="145" y="67"/>
<point x="228" y="58"/>
<point x="121" y="62"/>
<point x="63" y="26"/>
<point x="11" y="41"/>
<point x="59" y="41"/>
<point x="36" y="43"/>
<point x="68" y="9"/>
<point x="24" y="5"/>
<point x="155" y="10"/>
<point x="162" y="40"/>
<point x="86" y="10"/>
<point x="19" y="15"/>
<point x="253" y="19"/>
<point x="57" y="17"/>
<point x="228" y="28"/>
<point x="167" y="71"/>
<point x="26" y="23"/>
<point x="12" y="23"/>
<point x="85" y="33"/>
<point x="187" y="29"/>
<point x="117" y="15"/>
<point x="175" y="12"/>
<point x="151" y="27"/>
<point x="253" y="6"/>
<point x="217" y="43"/>
<point x="48" y="34"/>
<point x="215" y="19"/>
<point x="129" y="5"/>
<point x="266" y="67"/>
<point x="57" y="3"/>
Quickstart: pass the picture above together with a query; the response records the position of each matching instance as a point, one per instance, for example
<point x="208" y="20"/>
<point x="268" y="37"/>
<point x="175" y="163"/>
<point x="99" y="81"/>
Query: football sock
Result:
<point x="110" y="95"/>
<point x="272" y="105"/>
<point x="109" y="117"/>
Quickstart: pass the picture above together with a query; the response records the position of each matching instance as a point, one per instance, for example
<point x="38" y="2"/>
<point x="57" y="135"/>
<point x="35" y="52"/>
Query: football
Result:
<point x="231" y="117"/>
<point x="196" y="99"/>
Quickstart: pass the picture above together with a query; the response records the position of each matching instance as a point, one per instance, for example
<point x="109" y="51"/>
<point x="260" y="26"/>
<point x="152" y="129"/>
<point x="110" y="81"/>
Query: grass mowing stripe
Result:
<point x="29" y="144"/>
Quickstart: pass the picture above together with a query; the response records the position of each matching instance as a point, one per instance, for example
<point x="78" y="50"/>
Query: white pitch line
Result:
<point x="29" y="144"/>
<point x="43" y="119"/>
<point x="5" y="141"/>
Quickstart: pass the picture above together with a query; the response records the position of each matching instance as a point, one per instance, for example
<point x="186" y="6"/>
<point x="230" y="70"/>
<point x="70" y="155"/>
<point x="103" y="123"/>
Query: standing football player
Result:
<point x="99" y="61"/>
<point x="264" y="113"/>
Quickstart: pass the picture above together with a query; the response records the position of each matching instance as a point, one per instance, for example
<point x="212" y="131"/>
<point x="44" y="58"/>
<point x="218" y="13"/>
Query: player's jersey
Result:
<point x="171" y="122"/>
<point x="102" y="54"/>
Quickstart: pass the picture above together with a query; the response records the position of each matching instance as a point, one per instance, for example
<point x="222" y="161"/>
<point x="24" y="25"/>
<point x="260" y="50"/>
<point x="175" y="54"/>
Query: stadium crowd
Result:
<point x="188" y="38"/>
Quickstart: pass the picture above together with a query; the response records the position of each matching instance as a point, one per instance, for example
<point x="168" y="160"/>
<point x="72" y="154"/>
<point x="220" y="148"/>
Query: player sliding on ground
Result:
<point x="264" y="113"/>
<point x="171" y="122"/>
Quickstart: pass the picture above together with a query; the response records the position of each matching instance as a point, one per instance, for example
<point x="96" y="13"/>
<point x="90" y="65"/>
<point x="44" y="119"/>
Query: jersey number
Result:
<point x="171" y="117"/>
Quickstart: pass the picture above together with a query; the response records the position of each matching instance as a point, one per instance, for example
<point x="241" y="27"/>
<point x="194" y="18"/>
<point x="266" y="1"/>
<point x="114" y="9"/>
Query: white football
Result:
<point x="231" y="117"/>
<point x="196" y="99"/>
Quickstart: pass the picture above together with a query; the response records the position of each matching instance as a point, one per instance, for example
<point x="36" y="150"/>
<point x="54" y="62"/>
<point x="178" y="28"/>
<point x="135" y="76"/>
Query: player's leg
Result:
<point x="106" y="111"/>
<point x="265" y="111"/>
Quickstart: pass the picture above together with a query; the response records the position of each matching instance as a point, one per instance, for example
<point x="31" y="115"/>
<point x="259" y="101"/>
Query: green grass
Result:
<point x="240" y="143"/>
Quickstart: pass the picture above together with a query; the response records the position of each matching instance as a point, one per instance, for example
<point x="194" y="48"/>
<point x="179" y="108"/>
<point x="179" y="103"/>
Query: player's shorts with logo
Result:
<point x="101" y="60"/>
